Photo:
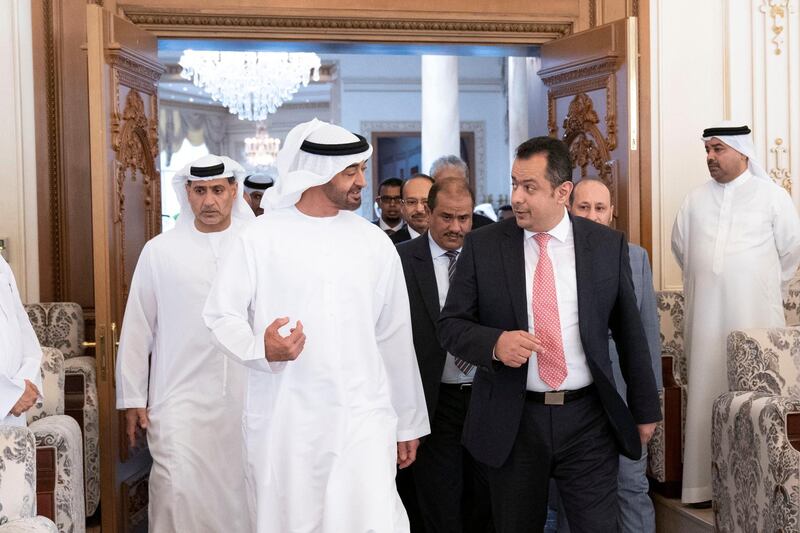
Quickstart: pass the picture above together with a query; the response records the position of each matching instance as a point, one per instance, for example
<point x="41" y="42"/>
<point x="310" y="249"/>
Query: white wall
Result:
<point x="18" y="221"/>
<point x="715" y="60"/>
<point x="687" y="95"/>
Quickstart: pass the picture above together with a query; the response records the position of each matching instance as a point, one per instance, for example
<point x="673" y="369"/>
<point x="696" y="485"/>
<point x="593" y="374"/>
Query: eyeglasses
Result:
<point x="390" y="199"/>
<point x="414" y="202"/>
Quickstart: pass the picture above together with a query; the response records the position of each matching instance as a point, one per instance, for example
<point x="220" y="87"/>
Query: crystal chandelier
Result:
<point x="262" y="149"/>
<point x="250" y="84"/>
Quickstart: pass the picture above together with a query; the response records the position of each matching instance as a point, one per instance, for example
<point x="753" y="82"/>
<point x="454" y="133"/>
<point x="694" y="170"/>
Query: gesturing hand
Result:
<point x="514" y="348"/>
<point x="135" y="418"/>
<point x="27" y="400"/>
<point x="280" y="348"/>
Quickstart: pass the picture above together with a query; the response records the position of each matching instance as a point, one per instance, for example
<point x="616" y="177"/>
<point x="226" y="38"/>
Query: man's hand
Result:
<point x="407" y="452"/>
<point x="514" y="348"/>
<point x="135" y="418"/>
<point x="280" y="348"/>
<point x="646" y="432"/>
<point x="27" y="400"/>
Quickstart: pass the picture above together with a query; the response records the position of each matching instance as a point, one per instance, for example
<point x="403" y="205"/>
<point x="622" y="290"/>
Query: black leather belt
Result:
<point x="461" y="387"/>
<point x="558" y="397"/>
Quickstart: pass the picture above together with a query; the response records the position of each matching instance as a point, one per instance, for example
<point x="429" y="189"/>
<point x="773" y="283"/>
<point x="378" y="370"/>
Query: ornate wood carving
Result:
<point x="587" y="145"/>
<point x="466" y="30"/>
<point x="135" y="499"/>
<point x="134" y="139"/>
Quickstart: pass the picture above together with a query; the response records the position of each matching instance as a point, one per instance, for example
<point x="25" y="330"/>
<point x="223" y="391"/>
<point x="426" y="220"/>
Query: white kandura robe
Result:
<point x="194" y="396"/>
<point x="321" y="430"/>
<point x="20" y="354"/>
<point x="738" y="245"/>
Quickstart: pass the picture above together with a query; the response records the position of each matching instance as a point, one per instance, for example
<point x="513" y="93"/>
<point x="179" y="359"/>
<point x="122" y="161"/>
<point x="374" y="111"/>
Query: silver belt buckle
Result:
<point x="554" y="398"/>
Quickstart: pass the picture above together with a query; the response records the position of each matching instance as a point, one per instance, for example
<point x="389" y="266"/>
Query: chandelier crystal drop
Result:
<point x="250" y="84"/>
<point x="262" y="149"/>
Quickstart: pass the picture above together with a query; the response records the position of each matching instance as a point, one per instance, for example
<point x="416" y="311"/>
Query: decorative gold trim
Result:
<point x="777" y="9"/>
<point x="135" y="70"/>
<point x="58" y="266"/>
<point x="780" y="174"/>
<point x="592" y="13"/>
<point x="172" y="23"/>
<point x="587" y="145"/>
<point x="580" y="86"/>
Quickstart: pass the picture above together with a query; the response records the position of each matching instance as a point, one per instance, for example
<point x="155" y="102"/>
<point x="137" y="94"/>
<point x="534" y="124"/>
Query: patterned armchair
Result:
<point x="59" y="451"/>
<point x="791" y="306"/>
<point x="18" y="483"/>
<point x="665" y="451"/>
<point x="755" y="467"/>
<point x="61" y="326"/>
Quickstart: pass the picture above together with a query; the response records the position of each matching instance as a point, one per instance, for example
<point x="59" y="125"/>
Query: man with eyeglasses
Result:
<point x="389" y="201"/>
<point x="414" y="208"/>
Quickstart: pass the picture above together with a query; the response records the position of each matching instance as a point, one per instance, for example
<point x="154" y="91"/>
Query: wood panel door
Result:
<point x="592" y="97"/>
<point x="126" y="212"/>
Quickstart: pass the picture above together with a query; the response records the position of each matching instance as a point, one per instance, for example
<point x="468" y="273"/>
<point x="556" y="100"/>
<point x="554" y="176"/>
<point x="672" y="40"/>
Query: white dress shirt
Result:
<point x="384" y="226"/>
<point x="561" y="249"/>
<point x="451" y="373"/>
<point x="414" y="234"/>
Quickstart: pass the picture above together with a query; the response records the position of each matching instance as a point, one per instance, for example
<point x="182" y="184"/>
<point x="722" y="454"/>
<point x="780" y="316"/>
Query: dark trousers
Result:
<point x="452" y="487"/>
<point x="573" y="444"/>
<point x="408" y="494"/>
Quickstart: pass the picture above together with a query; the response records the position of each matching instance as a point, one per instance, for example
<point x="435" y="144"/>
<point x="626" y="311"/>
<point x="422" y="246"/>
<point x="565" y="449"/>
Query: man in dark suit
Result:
<point x="451" y="486"/>
<point x="389" y="201"/>
<point x="531" y="305"/>
<point x="414" y="207"/>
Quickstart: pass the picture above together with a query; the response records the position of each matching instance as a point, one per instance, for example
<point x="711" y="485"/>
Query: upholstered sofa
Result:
<point x="755" y="467"/>
<point x="665" y="451"/>
<point x="18" y="483"/>
<point x="61" y="325"/>
<point x="59" y="451"/>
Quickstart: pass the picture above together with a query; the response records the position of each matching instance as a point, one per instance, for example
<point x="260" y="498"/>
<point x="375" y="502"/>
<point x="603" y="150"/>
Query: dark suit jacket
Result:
<point x="423" y="295"/>
<point x="487" y="297"/>
<point x="401" y="236"/>
<point x="478" y="221"/>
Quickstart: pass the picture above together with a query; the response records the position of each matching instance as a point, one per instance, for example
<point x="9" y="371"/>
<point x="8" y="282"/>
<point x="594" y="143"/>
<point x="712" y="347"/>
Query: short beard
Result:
<point x="338" y="198"/>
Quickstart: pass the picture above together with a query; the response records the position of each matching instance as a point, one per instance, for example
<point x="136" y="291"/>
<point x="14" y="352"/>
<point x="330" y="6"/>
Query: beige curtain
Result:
<point x="176" y="124"/>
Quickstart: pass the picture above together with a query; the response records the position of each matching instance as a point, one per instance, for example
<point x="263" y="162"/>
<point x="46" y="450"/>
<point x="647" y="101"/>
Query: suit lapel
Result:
<point x="583" y="273"/>
<point x="513" y="255"/>
<point x="425" y="276"/>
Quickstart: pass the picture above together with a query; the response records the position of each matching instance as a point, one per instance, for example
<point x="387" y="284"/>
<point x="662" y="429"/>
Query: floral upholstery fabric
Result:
<point x="36" y="524"/>
<point x="791" y="305"/>
<point x="62" y="434"/>
<point x="85" y="367"/>
<point x="52" y="386"/>
<point x="755" y="469"/>
<point x="17" y="473"/>
<point x="670" y="314"/>
<point x="60" y="325"/>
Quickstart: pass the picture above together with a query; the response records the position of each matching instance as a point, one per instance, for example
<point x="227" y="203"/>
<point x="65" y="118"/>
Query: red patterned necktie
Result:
<point x="546" y="322"/>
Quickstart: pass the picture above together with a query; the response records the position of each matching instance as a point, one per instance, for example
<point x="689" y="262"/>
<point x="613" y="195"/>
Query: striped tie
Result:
<point x="452" y="256"/>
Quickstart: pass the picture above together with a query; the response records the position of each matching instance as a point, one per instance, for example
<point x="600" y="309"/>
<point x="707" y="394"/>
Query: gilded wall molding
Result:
<point x="59" y="266"/>
<point x="779" y="173"/>
<point x="582" y="86"/>
<point x="777" y="11"/>
<point x="163" y="22"/>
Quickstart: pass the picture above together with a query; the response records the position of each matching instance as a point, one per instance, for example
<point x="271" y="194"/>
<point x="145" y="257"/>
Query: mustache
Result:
<point x="454" y="235"/>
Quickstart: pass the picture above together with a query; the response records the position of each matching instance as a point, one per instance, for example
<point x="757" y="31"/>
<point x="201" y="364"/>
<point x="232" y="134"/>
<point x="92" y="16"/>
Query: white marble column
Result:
<point x="517" y="103"/>
<point x="440" y="118"/>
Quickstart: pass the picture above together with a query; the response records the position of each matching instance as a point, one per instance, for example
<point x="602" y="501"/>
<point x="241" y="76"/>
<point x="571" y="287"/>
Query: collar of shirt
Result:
<point x="384" y="226"/>
<point x="436" y="250"/>
<point x="738" y="181"/>
<point x="560" y="231"/>
<point x="411" y="231"/>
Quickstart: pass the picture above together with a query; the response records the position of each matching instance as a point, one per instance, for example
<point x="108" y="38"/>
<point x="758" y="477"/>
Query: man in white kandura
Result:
<point x="335" y="403"/>
<point x="737" y="239"/>
<point x="20" y="354"/>
<point x="192" y="405"/>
